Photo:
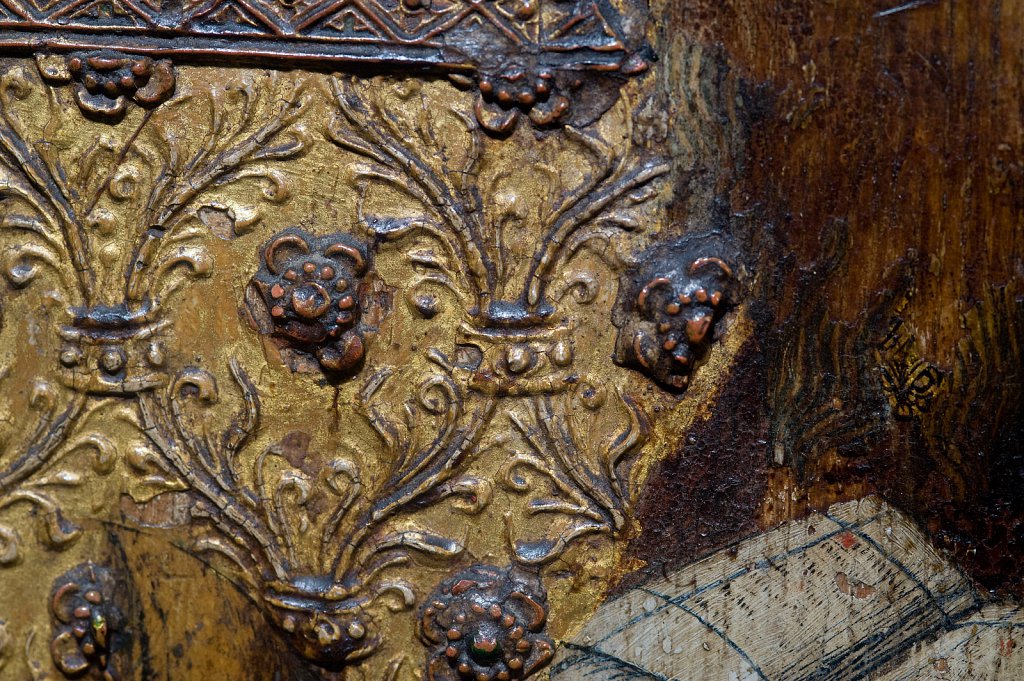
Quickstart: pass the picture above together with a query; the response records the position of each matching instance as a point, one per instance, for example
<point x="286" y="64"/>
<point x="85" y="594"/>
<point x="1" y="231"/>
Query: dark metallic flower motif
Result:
<point x="550" y="97"/>
<point x="666" y="314"/>
<point x="104" y="82"/>
<point x="486" y="624"/>
<point x="311" y="288"/>
<point x="504" y="95"/>
<point x="87" y="627"/>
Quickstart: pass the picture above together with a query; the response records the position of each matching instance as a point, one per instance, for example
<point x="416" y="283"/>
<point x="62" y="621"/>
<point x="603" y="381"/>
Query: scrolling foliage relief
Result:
<point x="517" y="251"/>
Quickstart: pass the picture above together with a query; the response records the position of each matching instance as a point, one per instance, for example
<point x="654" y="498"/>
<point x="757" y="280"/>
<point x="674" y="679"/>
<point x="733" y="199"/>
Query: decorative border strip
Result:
<point x="467" y="35"/>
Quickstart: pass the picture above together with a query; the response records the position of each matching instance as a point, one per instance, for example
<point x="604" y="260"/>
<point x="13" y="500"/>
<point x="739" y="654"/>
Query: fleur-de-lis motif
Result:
<point x="908" y="381"/>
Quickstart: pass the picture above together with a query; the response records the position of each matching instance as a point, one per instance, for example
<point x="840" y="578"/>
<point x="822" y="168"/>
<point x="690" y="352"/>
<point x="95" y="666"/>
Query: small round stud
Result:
<point x="518" y="358"/>
<point x="561" y="354"/>
<point x="356" y="630"/>
<point x="155" y="354"/>
<point x="71" y="356"/>
<point x="112" y="360"/>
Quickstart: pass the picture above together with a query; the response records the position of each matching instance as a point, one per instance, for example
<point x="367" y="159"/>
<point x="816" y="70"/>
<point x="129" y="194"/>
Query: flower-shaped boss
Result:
<point x="104" y="82"/>
<point x="668" y="307"/>
<point x="87" y="627"/>
<point x="309" y="292"/>
<point x="486" y="624"/>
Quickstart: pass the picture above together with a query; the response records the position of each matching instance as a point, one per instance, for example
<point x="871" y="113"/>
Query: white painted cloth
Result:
<point x="854" y="593"/>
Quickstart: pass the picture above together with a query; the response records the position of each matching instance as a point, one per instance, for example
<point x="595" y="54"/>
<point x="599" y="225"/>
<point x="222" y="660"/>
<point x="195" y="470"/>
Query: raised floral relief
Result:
<point x="447" y="313"/>
<point x="504" y="95"/>
<point x="88" y="628"/>
<point x="310" y="293"/>
<point x="559" y="62"/>
<point x="668" y="307"/>
<point x="486" y="624"/>
<point x="105" y="82"/>
<point x="109" y="232"/>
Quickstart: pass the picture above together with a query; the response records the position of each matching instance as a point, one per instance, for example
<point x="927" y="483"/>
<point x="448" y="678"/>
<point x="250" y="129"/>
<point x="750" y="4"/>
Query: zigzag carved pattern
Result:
<point x="577" y="33"/>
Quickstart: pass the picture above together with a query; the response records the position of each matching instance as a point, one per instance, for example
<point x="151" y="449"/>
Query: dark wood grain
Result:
<point x="879" y="187"/>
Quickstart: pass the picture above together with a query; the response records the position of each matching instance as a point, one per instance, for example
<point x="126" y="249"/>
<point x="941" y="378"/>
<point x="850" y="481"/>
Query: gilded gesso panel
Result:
<point x="372" y="364"/>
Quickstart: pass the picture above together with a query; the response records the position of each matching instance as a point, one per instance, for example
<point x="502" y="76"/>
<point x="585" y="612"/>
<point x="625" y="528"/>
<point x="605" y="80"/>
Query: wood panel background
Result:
<point x="870" y="156"/>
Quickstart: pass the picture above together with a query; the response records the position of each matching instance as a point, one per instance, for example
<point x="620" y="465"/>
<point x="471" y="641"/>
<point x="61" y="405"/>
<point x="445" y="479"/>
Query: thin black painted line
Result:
<point x="857" y="659"/>
<point x="593" y="652"/>
<point x="988" y="624"/>
<point x="761" y="564"/>
<point x="770" y="561"/>
<point x="721" y="634"/>
<point x="946" y="620"/>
